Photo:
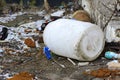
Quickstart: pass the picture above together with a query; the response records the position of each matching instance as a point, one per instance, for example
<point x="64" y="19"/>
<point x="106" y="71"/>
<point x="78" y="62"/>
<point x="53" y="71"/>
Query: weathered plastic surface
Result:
<point x="74" y="39"/>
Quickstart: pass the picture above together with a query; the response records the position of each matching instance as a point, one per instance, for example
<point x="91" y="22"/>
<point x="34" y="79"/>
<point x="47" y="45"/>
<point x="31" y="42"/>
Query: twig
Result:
<point x="71" y="61"/>
<point x="61" y="65"/>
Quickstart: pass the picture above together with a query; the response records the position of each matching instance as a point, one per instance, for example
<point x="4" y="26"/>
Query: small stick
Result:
<point x="61" y="65"/>
<point x="71" y="61"/>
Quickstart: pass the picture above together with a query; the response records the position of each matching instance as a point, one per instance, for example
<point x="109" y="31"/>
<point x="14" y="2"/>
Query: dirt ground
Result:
<point x="36" y="63"/>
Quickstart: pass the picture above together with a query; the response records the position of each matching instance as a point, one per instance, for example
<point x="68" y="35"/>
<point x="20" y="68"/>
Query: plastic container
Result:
<point x="74" y="39"/>
<point x="47" y="53"/>
<point x="112" y="55"/>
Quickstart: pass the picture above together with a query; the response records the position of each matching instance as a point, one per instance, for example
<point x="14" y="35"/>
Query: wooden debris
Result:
<point x="22" y="76"/>
<point x="30" y="43"/>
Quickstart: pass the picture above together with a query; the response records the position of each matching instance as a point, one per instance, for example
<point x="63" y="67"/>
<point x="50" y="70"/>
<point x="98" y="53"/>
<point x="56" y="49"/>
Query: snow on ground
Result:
<point x="18" y="34"/>
<point x="11" y="17"/>
<point x="15" y="42"/>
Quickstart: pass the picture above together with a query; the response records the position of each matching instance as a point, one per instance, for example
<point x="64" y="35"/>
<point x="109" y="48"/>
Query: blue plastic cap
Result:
<point x="47" y="53"/>
<point x="110" y="55"/>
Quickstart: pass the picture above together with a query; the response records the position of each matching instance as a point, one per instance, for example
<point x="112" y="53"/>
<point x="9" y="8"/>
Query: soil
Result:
<point x="37" y="64"/>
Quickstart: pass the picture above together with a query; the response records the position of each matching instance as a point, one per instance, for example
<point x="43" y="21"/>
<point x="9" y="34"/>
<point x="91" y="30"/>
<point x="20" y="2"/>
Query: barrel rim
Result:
<point x="81" y="52"/>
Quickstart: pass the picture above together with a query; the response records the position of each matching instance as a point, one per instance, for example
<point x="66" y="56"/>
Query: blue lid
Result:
<point x="110" y="55"/>
<point x="47" y="53"/>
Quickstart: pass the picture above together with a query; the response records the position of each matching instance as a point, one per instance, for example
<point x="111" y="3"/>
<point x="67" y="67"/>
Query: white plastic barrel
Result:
<point x="74" y="39"/>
